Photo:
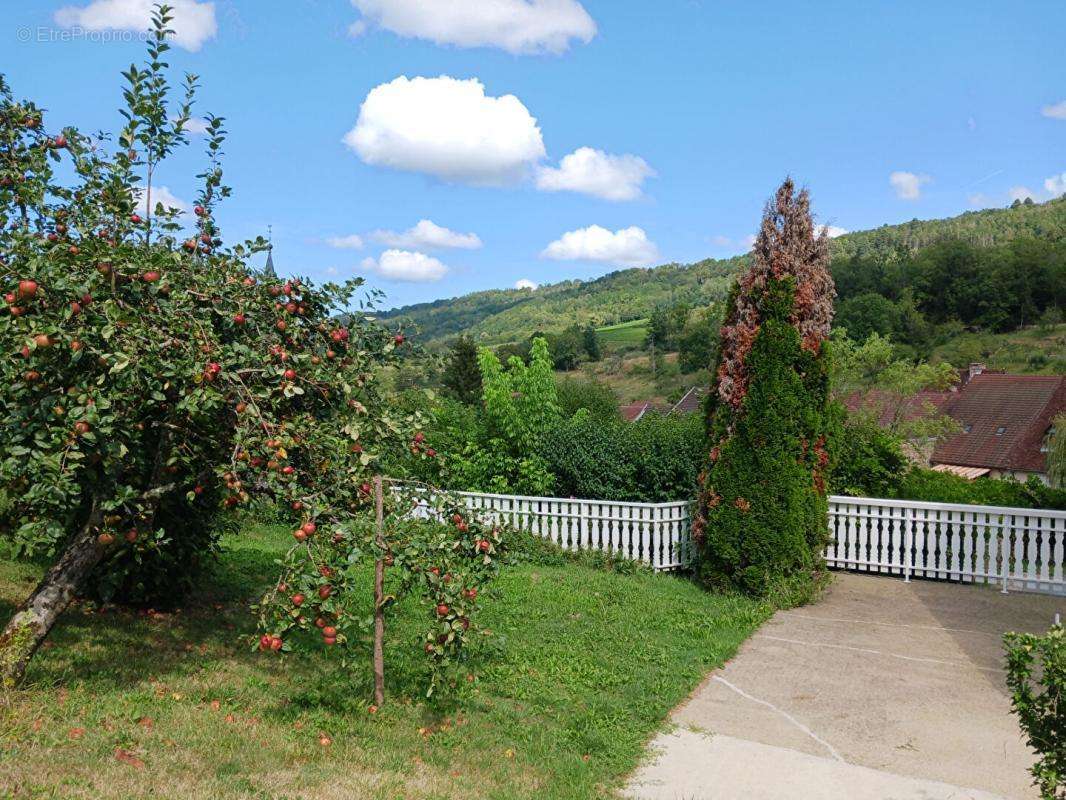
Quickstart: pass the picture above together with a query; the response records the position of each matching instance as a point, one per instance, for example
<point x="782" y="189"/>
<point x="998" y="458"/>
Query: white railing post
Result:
<point x="1004" y="555"/>
<point x="908" y="541"/>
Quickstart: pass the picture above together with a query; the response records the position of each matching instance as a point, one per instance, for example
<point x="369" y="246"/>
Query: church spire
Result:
<point x="268" y="270"/>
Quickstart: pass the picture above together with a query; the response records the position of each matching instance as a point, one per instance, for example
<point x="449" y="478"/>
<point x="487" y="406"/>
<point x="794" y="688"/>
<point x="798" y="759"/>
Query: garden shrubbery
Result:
<point x="654" y="459"/>
<point x="1036" y="677"/>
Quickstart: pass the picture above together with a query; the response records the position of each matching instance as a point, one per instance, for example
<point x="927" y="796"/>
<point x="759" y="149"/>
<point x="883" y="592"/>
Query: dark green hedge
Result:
<point x="654" y="459"/>
<point x="941" y="487"/>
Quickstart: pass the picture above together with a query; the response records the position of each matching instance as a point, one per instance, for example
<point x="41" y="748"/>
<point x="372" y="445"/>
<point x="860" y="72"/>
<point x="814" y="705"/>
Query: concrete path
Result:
<point x="882" y="689"/>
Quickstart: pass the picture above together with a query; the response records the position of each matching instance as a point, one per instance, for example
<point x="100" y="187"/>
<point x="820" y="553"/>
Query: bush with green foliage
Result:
<point x="869" y="461"/>
<point x="943" y="487"/>
<point x="1036" y="677"/>
<point x="598" y="398"/>
<point x="494" y="448"/>
<point x="762" y="520"/>
<point x="655" y="459"/>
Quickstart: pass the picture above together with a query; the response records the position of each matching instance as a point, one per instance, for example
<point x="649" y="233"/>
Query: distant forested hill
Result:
<point x="504" y="315"/>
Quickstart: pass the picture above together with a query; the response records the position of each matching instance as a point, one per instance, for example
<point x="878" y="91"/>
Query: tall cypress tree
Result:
<point x="762" y="518"/>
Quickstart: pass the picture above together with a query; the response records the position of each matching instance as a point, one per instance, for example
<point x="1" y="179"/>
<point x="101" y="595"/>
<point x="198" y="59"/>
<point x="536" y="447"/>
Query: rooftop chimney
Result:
<point x="976" y="368"/>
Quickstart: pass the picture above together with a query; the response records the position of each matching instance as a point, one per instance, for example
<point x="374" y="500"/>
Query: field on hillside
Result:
<point x="625" y="335"/>
<point x="582" y="666"/>
<point x="1031" y="350"/>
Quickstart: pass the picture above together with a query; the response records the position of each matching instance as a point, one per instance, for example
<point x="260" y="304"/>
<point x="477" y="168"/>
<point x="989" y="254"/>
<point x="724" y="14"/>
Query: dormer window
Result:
<point x="1002" y="429"/>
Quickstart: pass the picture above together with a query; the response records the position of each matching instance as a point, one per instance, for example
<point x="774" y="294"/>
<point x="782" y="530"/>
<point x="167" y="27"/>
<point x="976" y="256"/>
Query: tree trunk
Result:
<point x="379" y="597"/>
<point x="36" y="616"/>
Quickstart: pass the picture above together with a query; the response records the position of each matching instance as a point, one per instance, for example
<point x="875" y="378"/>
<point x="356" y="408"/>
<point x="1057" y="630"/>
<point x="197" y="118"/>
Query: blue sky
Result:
<point x="692" y="112"/>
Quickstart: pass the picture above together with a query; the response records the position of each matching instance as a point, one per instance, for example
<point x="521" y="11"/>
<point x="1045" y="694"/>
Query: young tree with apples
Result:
<point x="150" y="377"/>
<point x="762" y="518"/>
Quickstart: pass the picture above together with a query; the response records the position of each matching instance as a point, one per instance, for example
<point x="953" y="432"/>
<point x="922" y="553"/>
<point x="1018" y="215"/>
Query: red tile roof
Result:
<point x="691" y="402"/>
<point x="1005" y="419"/>
<point x="886" y="405"/>
<point x="631" y="412"/>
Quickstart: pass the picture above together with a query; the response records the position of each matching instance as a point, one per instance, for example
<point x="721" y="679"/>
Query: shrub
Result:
<point x="1036" y="677"/>
<point x="585" y="393"/>
<point x="943" y="487"/>
<point x="870" y="462"/>
<point x="655" y="459"/>
<point x="762" y="520"/>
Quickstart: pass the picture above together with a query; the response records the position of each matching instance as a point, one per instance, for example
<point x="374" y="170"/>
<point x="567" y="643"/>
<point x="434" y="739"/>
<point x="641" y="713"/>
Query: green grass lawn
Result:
<point x="582" y="667"/>
<point x="625" y="334"/>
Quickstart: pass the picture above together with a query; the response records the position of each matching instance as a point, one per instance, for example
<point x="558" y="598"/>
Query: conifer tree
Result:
<point x="462" y="378"/>
<point x="762" y="522"/>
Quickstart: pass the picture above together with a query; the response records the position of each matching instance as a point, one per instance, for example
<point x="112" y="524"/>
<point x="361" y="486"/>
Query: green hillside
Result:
<point x="503" y="315"/>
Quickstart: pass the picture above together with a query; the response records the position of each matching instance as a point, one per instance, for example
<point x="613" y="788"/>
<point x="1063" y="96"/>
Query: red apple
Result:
<point x="325" y="591"/>
<point x="289" y="374"/>
<point x="198" y="211"/>
<point x="239" y="318"/>
<point x="297" y="599"/>
<point x="105" y="539"/>
<point x="329" y="631"/>
<point x="442" y="610"/>
<point x="43" y="341"/>
<point x="151" y="276"/>
<point x="275" y="643"/>
<point x="309" y="528"/>
<point x="27" y="289"/>
<point x="135" y="219"/>
<point x="81" y="427"/>
<point x="265" y="642"/>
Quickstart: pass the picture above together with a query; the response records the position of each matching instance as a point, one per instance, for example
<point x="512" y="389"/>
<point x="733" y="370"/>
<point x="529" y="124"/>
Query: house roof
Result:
<point x="631" y="412"/>
<point x="1005" y="419"/>
<point x="888" y="405"/>
<point x="691" y="401"/>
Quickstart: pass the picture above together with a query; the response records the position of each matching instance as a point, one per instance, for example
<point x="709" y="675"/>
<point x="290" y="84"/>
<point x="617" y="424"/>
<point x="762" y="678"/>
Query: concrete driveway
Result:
<point x="881" y="689"/>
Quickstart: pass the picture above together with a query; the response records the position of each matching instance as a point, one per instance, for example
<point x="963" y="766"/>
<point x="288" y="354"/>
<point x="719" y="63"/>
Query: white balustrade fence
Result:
<point x="1014" y="548"/>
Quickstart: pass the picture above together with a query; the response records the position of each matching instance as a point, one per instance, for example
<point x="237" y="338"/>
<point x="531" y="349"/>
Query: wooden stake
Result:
<point x="379" y="596"/>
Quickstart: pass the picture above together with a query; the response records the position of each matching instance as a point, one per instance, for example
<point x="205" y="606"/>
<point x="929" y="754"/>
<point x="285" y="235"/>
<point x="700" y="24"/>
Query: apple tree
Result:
<point x="148" y="375"/>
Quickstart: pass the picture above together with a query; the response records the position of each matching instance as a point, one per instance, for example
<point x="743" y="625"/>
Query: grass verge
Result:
<point x="582" y="667"/>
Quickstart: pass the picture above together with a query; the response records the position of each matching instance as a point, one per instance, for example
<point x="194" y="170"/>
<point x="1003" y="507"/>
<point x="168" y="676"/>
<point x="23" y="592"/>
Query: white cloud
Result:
<point x="1055" y="111"/>
<point x="1020" y="193"/>
<point x="526" y="283"/>
<point x="517" y="26"/>
<point x="832" y="231"/>
<point x="749" y="240"/>
<point x="427" y="234"/>
<point x="448" y="128"/>
<point x="971" y="123"/>
<point x="596" y="173"/>
<point x="160" y="194"/>
<point x="979" y="200"/>
<point x="352" y="241"/>
<point x="908" y="185"/>
<point x="193" y="24"/>
<point x="1056" y="185"/>
<point x="196" y="125"/>
<point x="629" y="247"/>
<point x="722" y="241"/>
<point x="404" y="265"/>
